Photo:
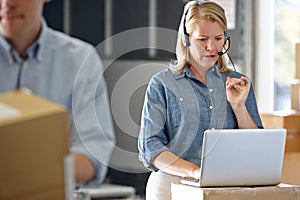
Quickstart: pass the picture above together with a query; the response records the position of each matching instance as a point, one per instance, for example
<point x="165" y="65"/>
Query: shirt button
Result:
<point x="10" y="61"/>
<point x="180" y="99"/>
<point x="39" y="57"/>
<point x="210" y="90"/>
<point x="25" y="65"/>
<point x="211" y="107"/>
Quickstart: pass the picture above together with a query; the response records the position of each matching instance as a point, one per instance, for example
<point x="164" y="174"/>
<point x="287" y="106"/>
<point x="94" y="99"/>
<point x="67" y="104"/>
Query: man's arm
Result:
<point x="93" y="133"/>
<point x="84" y="169"/>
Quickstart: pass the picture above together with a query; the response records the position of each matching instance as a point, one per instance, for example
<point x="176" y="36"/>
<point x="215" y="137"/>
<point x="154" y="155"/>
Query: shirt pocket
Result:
<point x="174" y="111"/>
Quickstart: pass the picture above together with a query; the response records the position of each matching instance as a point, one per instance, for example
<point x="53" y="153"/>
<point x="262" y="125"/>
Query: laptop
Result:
<point x="241" y="157"/>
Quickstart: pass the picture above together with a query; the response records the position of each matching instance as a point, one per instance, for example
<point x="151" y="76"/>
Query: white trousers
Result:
<point x="159" y="186"/>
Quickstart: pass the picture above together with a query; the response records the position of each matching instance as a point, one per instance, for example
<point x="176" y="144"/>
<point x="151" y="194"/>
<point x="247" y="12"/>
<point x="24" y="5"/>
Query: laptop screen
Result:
<point x="242" y="157"/>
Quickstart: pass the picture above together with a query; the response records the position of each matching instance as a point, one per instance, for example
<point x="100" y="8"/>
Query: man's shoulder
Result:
<point x="62" y="40"/>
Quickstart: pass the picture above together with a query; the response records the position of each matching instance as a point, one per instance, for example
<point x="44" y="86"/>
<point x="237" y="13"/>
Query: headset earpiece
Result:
<point x="186" y="36"/>
<point x="186" y="40"/>
<point x="227" y="38"/>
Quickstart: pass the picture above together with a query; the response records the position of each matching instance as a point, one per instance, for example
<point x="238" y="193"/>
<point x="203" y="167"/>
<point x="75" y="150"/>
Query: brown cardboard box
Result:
<point x="280" y="192"/>
<point x="291" y="121"/>
<point x="297" y="59"/>
<point x="34" y="138"/>
<point x="295" y="94"/>
<point x="291" y="168"/>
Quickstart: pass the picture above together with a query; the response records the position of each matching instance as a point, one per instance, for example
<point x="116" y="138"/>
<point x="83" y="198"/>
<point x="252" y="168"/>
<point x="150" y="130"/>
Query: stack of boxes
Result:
<point x="289" y="120"/>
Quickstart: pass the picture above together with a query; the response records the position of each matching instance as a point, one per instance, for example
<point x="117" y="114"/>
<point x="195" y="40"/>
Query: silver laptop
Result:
<point x="241" y="157"/>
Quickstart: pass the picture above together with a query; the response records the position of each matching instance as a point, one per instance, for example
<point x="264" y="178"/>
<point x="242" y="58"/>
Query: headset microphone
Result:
<point x="227" y="40"/>
<point x="222" y="53"/>
<point x="226" y="50"/>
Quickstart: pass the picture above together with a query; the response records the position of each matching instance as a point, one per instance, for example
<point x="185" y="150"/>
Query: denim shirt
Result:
<point x="178" y="108"/>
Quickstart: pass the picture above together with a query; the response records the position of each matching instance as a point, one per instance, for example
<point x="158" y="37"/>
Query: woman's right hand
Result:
<point x="169" y="163"/>
<point x="196" y="172"/>
<point x="237" y="90"/>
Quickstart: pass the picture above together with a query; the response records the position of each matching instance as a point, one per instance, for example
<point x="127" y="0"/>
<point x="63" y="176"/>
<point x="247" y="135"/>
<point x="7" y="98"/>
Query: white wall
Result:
<point x="264" y="54"/>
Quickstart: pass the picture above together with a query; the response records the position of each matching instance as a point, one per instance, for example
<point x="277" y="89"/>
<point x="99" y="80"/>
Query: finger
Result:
<point x="229" y="83"/>
<point x="232" y="82"/>
<point x="246" y="80"/>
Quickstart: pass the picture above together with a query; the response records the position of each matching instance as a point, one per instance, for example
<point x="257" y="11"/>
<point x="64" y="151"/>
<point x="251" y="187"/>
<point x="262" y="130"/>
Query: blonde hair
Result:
<point x="193" y="12"/>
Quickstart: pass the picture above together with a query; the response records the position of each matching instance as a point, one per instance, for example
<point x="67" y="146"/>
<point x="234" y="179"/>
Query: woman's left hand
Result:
<point x="237" y="90"/>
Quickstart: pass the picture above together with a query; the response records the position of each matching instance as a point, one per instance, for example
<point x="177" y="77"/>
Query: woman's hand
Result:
<point x="237" y="90"/>
<point x="196" y="172"/>
<point x="169" y="163"/>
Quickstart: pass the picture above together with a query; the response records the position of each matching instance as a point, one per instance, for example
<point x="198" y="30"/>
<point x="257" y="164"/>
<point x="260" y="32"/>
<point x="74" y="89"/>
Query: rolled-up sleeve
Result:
<point x="250" y="102"/>
<point x="252" y="108"/>
<point x="152" y="139"/>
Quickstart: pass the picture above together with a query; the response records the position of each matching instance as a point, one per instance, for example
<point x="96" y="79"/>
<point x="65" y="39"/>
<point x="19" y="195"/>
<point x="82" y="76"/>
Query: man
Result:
<point x="64" y="70"/>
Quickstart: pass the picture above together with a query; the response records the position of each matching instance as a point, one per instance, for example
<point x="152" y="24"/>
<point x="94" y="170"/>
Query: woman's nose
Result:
<point x="210" y="46"/>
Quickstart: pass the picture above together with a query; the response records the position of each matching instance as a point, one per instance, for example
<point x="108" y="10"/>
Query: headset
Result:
<point x="186" y="37"/>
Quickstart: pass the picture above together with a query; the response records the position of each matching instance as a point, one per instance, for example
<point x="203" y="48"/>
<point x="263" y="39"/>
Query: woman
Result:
<point x="196" y="93"/>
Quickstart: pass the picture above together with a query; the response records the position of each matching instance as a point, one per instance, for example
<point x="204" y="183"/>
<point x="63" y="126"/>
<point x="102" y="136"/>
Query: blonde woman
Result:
<point x="196" y="93"/>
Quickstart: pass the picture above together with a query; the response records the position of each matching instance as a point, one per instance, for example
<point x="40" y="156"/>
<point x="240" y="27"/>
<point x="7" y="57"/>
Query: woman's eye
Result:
<point x="218" y="38"/>
<point x="203" y="39"/>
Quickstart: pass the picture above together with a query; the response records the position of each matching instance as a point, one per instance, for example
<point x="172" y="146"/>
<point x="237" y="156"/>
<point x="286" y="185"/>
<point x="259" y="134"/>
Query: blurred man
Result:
<point x="64" y="70"/>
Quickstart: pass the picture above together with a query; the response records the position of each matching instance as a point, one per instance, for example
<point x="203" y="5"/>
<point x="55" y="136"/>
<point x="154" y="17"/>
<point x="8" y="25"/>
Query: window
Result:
<point x="287" y="33"/>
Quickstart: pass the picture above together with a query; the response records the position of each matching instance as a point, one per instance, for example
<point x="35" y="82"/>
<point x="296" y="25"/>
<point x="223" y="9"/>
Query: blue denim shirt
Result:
<point x="178" y="108"/>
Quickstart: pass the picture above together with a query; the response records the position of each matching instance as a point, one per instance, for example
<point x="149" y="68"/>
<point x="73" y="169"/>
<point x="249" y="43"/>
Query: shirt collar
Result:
<point x="5" y="49"/>
<point x="34" y="50"/>
<point x="187" y="72"/>
<point x="215" y="70"/>
<point x="41" y="41"/>
<point x="183" y="73"/>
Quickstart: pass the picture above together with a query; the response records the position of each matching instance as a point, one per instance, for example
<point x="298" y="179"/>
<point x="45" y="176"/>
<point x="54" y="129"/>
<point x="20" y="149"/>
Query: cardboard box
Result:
<point x="291" y="168"/>
<point x="297" y="59"/>
<point x="291" y="121"/>
<point x="295" y="94"/>
<point x="280" y="192"/>
<point x="34" y="138"/>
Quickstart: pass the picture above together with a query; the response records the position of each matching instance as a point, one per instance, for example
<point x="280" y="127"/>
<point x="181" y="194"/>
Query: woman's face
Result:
<point x="207" y="39"/>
